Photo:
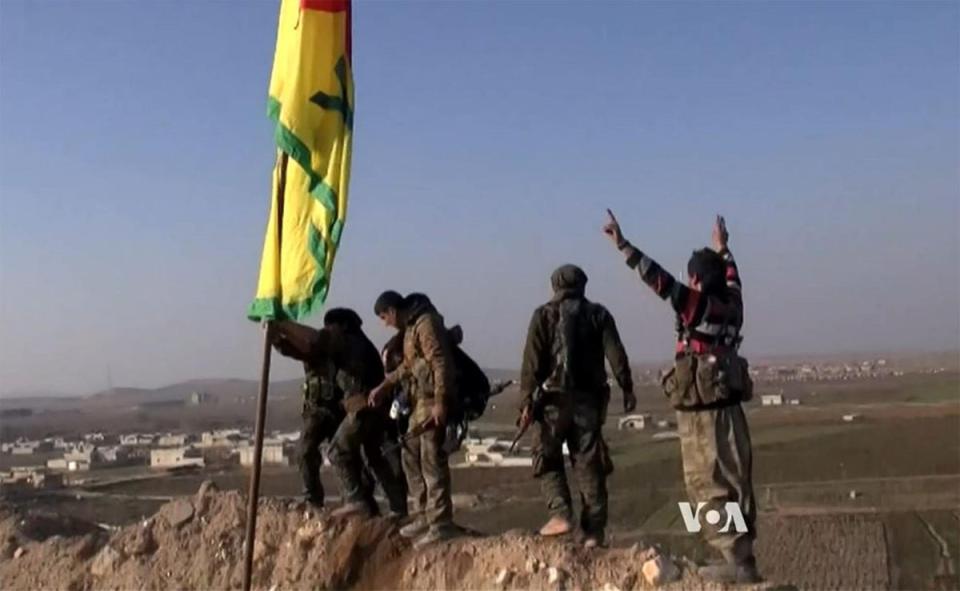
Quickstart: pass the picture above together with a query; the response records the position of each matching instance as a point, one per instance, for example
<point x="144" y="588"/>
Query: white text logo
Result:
<point x="691" y="518"/>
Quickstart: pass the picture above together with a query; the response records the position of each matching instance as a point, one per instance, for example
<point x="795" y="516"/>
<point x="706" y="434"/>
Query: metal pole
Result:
<point x="254" y="492"/>
<point x="253" y="495"/>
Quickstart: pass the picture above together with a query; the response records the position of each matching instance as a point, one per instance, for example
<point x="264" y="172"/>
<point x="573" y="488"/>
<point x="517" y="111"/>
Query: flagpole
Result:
<point x="253" y="495"/>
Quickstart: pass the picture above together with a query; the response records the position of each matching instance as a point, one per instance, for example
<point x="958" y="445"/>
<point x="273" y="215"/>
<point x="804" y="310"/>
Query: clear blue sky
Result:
<point x="135" y="159"/>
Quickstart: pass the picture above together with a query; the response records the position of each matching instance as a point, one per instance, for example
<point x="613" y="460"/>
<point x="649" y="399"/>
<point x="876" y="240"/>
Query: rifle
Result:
<point x="413" y="433"/>
<point x="536" y="403"/>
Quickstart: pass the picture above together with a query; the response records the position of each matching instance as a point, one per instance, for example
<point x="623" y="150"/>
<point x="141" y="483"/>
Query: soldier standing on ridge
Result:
<point x="336" y="359"/>
<point x="357" y="446"/>
<point x="564" y="358"/>
<point x="322" y="410"/>
<point x="707" y="384"/>
<point x="427" y="374"/>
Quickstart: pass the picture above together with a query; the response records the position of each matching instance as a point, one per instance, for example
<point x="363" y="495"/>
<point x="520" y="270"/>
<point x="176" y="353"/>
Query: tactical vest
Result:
<point x="320" y="388"/>
<point x="715" y="378"/>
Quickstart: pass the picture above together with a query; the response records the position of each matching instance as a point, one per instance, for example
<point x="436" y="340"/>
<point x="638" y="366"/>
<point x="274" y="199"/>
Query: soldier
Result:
<point x="358" y="444"/>
<point x="427" y="375"/>
<point x="322" y="411"/>
<point x="337" y="358"/>
<point x="706" y="386"/>
<point x="563" y="362"/>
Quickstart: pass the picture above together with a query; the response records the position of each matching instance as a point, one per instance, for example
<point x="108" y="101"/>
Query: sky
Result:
<point x="136" y="156"/>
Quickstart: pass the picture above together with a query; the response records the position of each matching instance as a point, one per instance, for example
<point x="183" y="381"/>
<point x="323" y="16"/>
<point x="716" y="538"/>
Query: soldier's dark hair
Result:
<point x="386" y="300"/>
<point x="710" y="269"/>
<point x="344" y="317"/>
<point x="392" y="352"/>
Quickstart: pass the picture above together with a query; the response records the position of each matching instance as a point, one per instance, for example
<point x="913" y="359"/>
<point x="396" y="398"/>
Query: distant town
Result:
<point x="812" y="372"/>
<point x="60" y="461"/>
<point x="68" y="462"/>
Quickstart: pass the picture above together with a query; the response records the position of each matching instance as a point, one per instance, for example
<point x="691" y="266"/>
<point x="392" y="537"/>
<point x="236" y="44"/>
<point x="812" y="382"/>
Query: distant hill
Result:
<point x="217" y="390"/>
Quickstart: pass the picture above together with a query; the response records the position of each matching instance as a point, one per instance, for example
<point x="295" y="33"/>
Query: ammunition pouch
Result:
<point x="697" y="382"/>
<point x="319" y="393"/>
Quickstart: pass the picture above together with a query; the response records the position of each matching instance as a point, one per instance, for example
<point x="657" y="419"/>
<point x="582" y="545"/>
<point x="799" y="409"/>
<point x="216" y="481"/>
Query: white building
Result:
<point x="273" y="453"/>
<point x="111" y="454"/>
<point x="78" y="465"/>
<point x="81" y="459"/>
<point x="57" y="464"/>
<point x="171" y="440"/>
<point x="286" y="436"/>
<point x="133" y="439"/>
<point x="26" y="448"/>
<point x="851" y="418"/>
<point x="221" y="438"/>
<point x="175" y="457"/>
<point x="492" y="453"/>
<point x="57" y="442"/>
<point x="771" y="399"/>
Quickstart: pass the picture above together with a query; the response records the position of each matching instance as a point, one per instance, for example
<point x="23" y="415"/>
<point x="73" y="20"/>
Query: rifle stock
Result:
<point x="536" y="401"/>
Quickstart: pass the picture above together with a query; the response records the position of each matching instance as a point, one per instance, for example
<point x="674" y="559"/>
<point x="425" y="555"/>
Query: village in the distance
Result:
<point x="66" y="457"/>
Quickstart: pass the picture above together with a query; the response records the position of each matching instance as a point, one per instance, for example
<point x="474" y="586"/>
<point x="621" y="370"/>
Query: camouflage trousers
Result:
<point x="717" y="466"/>
<point x="357" y="451"/>
<point x="579" y="426"/>
<point x="426" y="464"/>
<point x="319" y="425"/>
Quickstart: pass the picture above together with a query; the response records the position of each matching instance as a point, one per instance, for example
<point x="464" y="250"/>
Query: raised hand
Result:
<point x="720" y="234"/>
<point x="612" y="230"/>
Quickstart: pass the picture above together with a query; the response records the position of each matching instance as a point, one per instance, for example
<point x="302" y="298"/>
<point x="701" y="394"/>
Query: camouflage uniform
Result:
<point x="717" y="464"/>
<point x="427" y="375"/>
<point x="322" y="414"/>
<point x="341" y="361"/>
<point x="714" y="438"/>
<point x="358" y="446"/>
<point x="567" y="341"/>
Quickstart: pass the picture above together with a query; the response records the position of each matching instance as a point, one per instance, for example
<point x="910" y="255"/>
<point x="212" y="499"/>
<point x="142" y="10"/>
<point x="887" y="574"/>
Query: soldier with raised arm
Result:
<point x="706" y="386"/>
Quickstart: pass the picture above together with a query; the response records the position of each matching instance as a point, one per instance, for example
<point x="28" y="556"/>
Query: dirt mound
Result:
<point x="197" y="543"/>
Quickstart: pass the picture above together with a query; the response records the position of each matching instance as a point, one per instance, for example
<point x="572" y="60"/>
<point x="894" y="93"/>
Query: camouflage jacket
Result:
<point x="427" y="370"/>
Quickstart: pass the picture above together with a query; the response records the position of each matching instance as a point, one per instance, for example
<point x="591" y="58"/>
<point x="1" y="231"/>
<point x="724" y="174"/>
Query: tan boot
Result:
<point x="557" y="526"/>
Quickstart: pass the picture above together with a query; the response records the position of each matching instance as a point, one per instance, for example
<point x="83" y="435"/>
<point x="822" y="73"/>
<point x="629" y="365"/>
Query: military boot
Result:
<point x="557" y="526"/>
<point x="735" y="572"/>
<point x="413" y="529"/>
<point x="437" y="533"/>
<point x="313" y="499"/>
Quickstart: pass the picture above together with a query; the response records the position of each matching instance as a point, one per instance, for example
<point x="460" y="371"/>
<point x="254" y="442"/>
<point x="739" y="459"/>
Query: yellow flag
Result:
<point x="311" y="105"/>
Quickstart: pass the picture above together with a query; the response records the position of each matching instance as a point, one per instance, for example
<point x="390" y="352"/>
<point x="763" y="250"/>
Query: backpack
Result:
<point x="473" y="386"/>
